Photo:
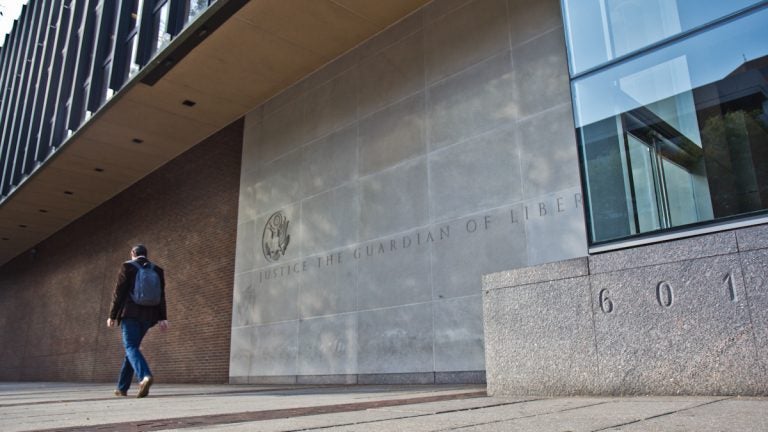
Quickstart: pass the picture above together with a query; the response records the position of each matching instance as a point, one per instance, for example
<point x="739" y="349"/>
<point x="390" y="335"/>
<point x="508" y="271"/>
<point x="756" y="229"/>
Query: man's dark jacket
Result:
<point x="122" y="304"/>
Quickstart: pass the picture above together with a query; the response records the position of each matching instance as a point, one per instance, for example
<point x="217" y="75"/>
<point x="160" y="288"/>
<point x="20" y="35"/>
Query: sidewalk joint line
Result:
<point x="528" y="416"/>
<point x="663" y="414"/>
<point x="414" y="416"/>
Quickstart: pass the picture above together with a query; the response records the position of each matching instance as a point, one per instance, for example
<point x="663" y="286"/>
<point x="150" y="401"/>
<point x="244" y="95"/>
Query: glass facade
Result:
<point x="64" y="59"/>
<point x="676" y="134"/>
<point x="603" y="30"/>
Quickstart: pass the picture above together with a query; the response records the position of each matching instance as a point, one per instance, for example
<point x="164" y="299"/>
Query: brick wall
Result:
<point x="54" y="305"/>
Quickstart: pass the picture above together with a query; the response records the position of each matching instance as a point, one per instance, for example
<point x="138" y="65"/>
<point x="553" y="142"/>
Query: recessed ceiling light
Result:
<point x="189" y="103"/>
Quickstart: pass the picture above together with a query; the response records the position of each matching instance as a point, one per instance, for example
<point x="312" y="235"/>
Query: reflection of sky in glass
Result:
<point x="588" y="21"/>
<point x="697" y="12"/>
<point x="710" y="56"/>
<point x="585" y="38"/>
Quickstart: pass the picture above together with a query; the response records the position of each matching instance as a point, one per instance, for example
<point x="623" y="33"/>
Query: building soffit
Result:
<point x="265" y="47"/>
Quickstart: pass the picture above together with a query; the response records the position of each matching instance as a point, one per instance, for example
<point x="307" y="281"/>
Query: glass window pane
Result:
<point x="601" y="30"/>
<point x="106" y="70"/>
<point x="679" y="184"/>
<point x="679" y="135"/>
<point x="196" y="7"/>
<point x="133" y="48"/>
<point x="644" y="187"/>
<point x="160" y="27"/>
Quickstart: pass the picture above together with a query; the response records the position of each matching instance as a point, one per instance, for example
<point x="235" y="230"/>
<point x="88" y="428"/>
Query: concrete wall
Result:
<point x="54" y="304"/>
<point x="438" y="151"/>
<point x="681" y="317"/>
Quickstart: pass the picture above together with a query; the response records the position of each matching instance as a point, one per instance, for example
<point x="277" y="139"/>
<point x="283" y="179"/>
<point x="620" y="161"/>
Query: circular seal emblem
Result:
<point x="275" y="239"/>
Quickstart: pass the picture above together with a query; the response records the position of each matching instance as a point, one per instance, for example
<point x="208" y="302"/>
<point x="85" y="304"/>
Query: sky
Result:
<point x="11" y="10"/>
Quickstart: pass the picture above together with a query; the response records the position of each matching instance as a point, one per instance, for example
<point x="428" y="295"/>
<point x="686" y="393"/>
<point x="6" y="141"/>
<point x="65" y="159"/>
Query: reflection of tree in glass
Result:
<point x="196" y="7"/>
<point x="736" y="154"/>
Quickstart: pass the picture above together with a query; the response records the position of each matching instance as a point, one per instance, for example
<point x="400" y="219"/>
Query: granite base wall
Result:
<point x="685" y="317"/>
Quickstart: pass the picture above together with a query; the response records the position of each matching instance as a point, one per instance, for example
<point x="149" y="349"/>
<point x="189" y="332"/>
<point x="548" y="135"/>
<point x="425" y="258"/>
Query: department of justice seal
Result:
<point x="275" y="239"/>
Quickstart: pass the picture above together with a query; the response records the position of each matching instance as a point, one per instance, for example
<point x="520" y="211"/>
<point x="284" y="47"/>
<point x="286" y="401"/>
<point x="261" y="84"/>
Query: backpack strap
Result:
<point x="139" y="266"/>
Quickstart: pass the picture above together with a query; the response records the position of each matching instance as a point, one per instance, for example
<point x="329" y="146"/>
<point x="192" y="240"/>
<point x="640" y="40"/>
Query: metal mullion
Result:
<point x="3" y="62"/>
<point x="660" y="179"/>
<point x="83" y="61"/>
<point x="4" y="55"/>
<point x="13" y="99"/>
<point x="102" y="51"/>
<point x="52" y="87"/>
<point x="177" y="17"/>
<point x="105" y="53"/>
<point x="8" y="91"/>
<point x="43" y="81"/>
<point x="33" y="17"/>
<point x="119" y="72"/>
<point x="92" y="25"/>
<point x="58" y="131"/>
<point x="32" y="89"/>
<point x="5" y="73"/>
<point x="145" y="39"/>
<point x="9" y="73"/>
<point x="9" y="56"/>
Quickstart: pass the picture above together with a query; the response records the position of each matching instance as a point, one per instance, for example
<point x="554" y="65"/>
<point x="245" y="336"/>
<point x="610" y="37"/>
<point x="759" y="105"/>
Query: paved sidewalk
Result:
<point x="91" y="407"/>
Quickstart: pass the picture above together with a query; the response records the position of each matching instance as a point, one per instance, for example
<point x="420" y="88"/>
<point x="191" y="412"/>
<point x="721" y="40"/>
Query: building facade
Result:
<point x="328" y="182"/>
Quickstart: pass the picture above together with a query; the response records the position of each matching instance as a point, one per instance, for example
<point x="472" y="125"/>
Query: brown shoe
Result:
<point x="120" y="393"/>
<point x="144" y="387"/>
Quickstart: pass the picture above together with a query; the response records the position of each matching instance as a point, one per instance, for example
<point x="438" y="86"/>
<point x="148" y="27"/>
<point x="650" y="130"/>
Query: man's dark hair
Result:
<point x="139" y="250"/>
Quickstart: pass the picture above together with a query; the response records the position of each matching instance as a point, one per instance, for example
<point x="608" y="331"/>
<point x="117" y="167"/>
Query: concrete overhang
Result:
<point x="260" y="50"/>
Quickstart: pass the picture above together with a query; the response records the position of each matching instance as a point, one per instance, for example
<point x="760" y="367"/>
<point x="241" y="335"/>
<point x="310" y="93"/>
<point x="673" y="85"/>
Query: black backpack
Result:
<point x="147" y="290"/>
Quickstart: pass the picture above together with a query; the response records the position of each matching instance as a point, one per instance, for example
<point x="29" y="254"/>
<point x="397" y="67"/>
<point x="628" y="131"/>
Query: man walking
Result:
<point x="138" y="303"/>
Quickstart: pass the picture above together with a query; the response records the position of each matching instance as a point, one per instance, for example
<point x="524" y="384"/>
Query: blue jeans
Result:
<point x="133" y="332"/>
